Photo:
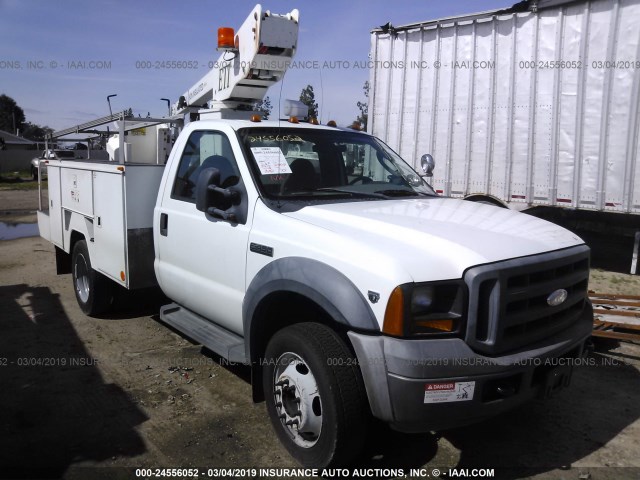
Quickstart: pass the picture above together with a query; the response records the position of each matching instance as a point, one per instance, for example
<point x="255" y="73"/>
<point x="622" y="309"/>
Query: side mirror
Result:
<point x="427" y="163"/>
<point x="212" y="199"/>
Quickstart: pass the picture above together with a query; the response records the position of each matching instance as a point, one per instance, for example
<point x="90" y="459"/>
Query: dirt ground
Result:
<point x="100" y="397"/>
<point x="20" y="205"/>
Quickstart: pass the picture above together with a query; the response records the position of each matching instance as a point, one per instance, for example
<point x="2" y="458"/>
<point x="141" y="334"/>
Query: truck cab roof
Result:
<point x="283" y="123"/>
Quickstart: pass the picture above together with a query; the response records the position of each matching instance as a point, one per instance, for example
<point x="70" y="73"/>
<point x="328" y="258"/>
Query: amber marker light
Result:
<point x="443" y="325"/>
<point x="256" y="118"/>
<point x="293" y="119"/>
<point x="314" y="121"/>
<point x="394" y="314"/>
<point x="122" y="276"/>
<point x="226" y="38"/>
<point x="332" y="123"/>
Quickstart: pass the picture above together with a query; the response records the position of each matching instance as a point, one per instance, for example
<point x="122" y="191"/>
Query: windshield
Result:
<point x="320" y="163"/>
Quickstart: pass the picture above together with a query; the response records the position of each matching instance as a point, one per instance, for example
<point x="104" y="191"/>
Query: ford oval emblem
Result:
<point x="557" y="297"/>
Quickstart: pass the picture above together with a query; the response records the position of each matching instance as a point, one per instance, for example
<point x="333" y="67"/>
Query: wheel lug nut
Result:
<point x="282" y="383"/>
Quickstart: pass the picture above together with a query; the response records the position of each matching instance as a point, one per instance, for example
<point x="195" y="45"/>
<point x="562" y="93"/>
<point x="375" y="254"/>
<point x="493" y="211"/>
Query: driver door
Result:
<point x="201" y="260"/>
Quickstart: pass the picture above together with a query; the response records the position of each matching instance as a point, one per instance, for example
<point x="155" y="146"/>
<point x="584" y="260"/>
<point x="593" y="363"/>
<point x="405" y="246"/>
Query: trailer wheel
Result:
<point x="93" y="290"/>
<point x="315" y="395"/>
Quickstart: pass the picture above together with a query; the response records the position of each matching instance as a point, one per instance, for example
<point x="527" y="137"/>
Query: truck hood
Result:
<point x="438" y="236"/>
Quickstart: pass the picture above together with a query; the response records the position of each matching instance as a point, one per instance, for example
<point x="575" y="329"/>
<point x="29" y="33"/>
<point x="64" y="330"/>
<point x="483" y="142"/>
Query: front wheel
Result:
<point x="93" y="290"/>
<point x="315" y="395"/>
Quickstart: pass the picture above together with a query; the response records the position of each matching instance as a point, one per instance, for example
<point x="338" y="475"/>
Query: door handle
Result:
<point x="164" y="224"/>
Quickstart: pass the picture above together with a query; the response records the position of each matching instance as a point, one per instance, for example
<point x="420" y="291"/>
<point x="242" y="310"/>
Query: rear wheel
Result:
<point x="315" y="395"/>
<point x="93" y="291"/>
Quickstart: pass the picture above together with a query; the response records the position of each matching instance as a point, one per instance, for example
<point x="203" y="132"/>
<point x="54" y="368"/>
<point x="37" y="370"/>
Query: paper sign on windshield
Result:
<point x="270" y="160"/>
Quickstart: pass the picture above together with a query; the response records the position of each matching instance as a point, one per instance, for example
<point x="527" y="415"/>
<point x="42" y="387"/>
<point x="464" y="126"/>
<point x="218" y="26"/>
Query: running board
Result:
<point x="223" y="342"/>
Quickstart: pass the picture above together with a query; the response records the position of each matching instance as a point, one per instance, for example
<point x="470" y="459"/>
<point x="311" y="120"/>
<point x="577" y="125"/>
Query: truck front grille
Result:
<point x="508" y="301"/>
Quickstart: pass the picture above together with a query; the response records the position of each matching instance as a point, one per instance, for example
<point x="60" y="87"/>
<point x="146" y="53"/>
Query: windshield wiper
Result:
<point x="352" y="192"/>
<point x="398" y="192"/>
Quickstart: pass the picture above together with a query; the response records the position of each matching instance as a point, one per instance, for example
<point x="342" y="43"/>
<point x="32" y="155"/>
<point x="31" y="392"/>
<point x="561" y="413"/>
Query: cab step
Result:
<point x="227" y="344"/>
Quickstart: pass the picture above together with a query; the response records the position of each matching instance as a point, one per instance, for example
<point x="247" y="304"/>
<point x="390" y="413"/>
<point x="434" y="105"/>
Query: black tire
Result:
<point x="94" y="292"/>
<point x="335" y="416"/>
<point x="34" y="173"/>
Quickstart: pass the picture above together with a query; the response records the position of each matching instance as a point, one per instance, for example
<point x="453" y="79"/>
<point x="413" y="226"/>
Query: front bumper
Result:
<point x="397" y="372"/>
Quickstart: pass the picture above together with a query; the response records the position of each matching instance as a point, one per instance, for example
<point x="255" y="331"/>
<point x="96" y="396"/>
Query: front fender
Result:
<point x="320" y="283"/>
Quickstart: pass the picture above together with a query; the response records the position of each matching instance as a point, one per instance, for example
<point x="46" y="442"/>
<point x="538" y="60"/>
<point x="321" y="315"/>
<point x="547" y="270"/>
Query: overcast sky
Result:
<point x="43" y="44"/>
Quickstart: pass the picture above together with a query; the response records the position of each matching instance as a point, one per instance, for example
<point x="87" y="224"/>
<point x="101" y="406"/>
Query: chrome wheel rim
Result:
<point x="81" y="272"/>
<point x="297" y="399"/>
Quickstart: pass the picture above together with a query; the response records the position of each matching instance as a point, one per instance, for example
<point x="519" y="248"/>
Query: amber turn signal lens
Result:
<point x="444" y="324"/>
<point x="394" y="314"/>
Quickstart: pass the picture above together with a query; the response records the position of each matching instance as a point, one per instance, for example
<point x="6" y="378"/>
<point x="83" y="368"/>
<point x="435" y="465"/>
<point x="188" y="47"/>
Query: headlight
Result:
<point x="426" y="309"/>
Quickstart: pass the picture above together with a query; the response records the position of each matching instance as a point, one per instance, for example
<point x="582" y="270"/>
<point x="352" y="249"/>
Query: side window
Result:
<point x="204" y="149"/>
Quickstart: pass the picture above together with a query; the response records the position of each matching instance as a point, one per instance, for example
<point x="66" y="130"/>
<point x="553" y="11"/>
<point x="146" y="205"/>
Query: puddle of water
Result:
<point x="11" y="231"/>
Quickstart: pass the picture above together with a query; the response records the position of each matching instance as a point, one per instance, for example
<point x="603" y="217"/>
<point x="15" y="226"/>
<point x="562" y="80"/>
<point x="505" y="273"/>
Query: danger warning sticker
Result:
<point x="443" y="392"/>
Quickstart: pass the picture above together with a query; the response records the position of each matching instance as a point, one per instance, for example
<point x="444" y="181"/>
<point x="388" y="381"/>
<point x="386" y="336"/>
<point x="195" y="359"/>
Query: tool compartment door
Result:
<point x="55" y="206"/>
<point x="109" y="253"/>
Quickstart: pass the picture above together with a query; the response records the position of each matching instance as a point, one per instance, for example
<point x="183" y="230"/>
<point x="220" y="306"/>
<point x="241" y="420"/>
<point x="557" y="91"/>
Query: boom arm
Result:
<point x="264" y="47"/>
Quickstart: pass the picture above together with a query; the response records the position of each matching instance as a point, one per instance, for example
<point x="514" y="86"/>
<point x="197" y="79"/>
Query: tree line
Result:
<point x="13" y="120"/>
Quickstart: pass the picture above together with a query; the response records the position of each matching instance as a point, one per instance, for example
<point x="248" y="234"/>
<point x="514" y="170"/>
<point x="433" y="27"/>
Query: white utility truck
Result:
<point x="347" y="291"/>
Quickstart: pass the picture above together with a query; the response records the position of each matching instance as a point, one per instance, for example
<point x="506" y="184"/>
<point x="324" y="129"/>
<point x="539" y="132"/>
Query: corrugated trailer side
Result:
<point x="528" y="107"/>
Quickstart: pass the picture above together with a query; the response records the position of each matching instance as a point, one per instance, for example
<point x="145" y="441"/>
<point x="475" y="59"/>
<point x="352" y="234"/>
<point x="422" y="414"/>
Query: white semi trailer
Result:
<point x="537" y="105"/>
